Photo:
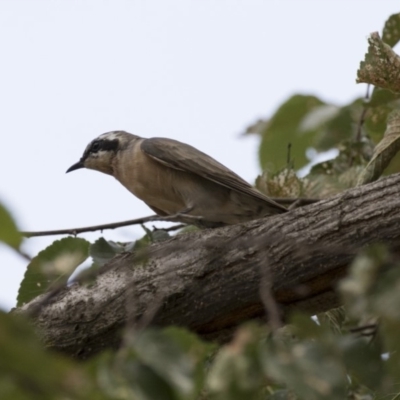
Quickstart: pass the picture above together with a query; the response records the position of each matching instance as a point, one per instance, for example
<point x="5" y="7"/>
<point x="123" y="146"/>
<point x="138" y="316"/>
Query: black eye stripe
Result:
<point x="101" y="145"/>
<point x="109" y="145"/>
<point x="106" y="145"/>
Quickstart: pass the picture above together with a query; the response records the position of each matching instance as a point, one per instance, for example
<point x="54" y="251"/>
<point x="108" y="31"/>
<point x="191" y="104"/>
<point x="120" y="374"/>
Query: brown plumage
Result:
<point x="174" y="178"/>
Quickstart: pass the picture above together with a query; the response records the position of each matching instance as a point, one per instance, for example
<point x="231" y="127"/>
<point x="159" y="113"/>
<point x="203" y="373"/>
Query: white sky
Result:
<point x="196" y="71"/>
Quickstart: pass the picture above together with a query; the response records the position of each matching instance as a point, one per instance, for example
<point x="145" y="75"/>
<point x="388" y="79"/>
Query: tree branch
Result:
<point x="287" y="202"/>
<point x="77" y="231"/>
<point x="209" y="280"/>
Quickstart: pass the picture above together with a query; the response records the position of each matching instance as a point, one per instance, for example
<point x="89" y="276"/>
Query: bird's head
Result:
<point x="100" y="152"/>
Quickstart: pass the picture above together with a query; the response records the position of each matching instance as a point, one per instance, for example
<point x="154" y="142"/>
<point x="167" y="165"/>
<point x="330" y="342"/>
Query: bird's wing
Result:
<point x="186" y="158"/>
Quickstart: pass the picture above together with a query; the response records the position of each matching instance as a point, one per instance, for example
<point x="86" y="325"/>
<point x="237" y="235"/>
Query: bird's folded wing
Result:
<point x="186" y="158"/>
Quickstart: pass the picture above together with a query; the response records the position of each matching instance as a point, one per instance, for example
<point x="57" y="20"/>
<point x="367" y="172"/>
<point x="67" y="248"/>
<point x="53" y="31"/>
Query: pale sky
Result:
<point x="196" y="71"/>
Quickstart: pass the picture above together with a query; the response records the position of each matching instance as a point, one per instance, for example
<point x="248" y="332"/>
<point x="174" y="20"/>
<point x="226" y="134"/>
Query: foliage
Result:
<point x="27" y="371"/>
<point x="279" y="133"/>
<point x="53" y="265"/>
<point x="8" y="229"/>
<point x="336" y="355"/>
<point x="380" y="66"/>
<point x="307" y="359"/>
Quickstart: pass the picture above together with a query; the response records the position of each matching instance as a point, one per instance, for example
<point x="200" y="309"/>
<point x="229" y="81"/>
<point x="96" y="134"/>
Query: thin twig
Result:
<point x="363" y="328"/>
<point x="152" y="218"/>
<point x="23" y="254"/>
<point x="289" y="148"/>
<point x="76" y="231"/>
<point x="361" y="121"/>
<point x="170" y="229"/>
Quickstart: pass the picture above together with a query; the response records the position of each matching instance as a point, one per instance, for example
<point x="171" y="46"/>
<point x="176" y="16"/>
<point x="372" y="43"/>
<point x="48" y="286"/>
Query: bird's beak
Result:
<point x="78" y="165"/>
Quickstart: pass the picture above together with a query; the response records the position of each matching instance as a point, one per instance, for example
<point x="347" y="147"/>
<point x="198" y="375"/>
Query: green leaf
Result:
<point x="187" y="229"/>
<point x="371" y="294"/>
<point x="236" y="372"/>
<point x="28" y="371"/>
<point x="165" y="357"/>
<point x="375" y="124"/>
<point x="53" y="264"/>
<point x="391" y="30"/>
<point x="155" y="235"/>
<point x="318" y="362"/>
<point x="381" y="104"/>
<point x="167" y="364"/>
<point x="126" y="377"/>
<point x="318" y="117"/>
<point x="8" y="230"/>
<point x="362" y="280"/>
<point x="142" y="244"/>
<point x="284" y="129"/>
<point x="283" y="394"/>
<point x="103" y="251"/>
<point x="311" y="369"/>
<point x="193" y="347"/>
<point x="330" y="177"/>
<point x="363" y="361"/>
<point x="339" y="128"/>
<point x="159" y="235"/>
<point x="381" y="97"/>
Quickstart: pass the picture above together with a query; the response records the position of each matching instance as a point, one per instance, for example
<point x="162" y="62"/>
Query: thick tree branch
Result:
<point x="209" y="281"/>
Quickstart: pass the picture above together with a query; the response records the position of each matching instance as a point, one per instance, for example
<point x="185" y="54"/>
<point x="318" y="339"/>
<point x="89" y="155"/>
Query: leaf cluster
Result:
<point x="333" y="356"/>
<point x="365" y="132"/>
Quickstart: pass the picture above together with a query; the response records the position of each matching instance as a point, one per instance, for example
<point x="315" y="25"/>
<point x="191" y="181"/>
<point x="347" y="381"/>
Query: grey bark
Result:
<point x="210" y="281"/>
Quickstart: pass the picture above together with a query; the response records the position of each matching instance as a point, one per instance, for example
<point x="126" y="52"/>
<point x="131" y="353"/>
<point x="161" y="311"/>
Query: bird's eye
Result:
<point x="95" y="147"/>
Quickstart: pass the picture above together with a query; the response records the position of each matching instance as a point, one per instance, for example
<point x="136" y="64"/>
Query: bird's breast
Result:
<point x="150" y="181"/>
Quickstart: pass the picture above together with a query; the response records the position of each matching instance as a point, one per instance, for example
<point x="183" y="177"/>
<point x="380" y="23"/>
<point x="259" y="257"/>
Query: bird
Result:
<point x="177" y="180"/>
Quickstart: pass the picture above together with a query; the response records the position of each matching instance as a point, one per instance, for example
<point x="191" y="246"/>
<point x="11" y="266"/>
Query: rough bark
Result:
<point x="209" y="281"/>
